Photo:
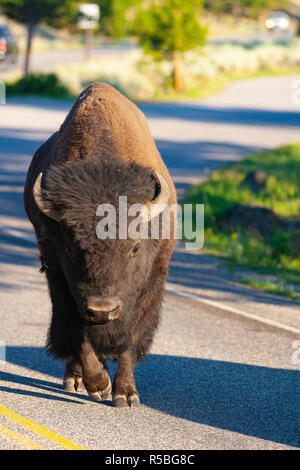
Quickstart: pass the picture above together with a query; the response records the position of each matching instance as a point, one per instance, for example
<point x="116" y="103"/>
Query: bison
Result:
<point x="106" y="294"/>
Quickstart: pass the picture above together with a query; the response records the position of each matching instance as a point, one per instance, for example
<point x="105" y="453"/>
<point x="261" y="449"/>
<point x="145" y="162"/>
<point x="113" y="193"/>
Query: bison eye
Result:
<point x="135" y="249"/>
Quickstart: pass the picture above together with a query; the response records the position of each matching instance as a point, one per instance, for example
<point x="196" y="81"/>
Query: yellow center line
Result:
<point x="39" y="429"/>
<point x="20" y="440"/>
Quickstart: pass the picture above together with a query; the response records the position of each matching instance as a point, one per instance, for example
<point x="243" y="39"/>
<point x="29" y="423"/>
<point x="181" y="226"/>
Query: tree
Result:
<point x="116" y="15"/>
<point x="230" y="7"/>
<point x="57" y="13"/>
<point x="168" y="28"/>
<point x="250" y="8"/>
<point x="254" y="8"/>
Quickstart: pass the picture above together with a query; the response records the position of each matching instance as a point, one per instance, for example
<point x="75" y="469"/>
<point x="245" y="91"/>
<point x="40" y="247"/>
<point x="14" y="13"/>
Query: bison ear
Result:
<point x="44" y="207"/>
<point x="157" y="186"/>
<point x="160" y="199"/>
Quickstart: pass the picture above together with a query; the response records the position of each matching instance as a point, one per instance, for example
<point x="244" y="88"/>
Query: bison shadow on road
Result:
<point x="251" y="400"/>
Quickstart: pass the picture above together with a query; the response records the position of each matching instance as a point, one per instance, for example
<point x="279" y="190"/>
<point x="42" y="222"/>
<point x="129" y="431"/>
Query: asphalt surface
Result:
<point x="215" y="378"/>
<point x="46" y="60"/>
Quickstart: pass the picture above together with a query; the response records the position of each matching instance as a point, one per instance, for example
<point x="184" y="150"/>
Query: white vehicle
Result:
<point x="278" y="21"/>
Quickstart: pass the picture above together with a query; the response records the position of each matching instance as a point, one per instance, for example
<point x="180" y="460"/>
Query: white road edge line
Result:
<point x="177" y="290"/>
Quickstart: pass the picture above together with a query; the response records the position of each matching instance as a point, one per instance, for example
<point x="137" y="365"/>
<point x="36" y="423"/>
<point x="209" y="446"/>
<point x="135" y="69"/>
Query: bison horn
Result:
<point x="38" y="199"/>
<point x="157" y="205"/>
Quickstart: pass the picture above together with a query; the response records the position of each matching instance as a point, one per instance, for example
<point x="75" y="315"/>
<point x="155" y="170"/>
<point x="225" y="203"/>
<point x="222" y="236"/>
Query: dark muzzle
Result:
<point x="101" y="310"/>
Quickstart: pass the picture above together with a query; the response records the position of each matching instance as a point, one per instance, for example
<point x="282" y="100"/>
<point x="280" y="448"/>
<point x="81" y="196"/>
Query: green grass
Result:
<point x="50" y="85"/>
<point x="270" y="287"/>
<point x="277" y="253"/>
<point x="207" y="88"/>
<point x="39" y="84"/>
<point x="140" y="83"/>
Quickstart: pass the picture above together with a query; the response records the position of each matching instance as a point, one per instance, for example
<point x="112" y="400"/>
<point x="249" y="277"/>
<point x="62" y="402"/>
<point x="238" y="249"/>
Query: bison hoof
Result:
<point x="106" y="394"/>
<point x="120" y="401"/>
<point x="73" y="383"/>
<point x="102" y="395"/>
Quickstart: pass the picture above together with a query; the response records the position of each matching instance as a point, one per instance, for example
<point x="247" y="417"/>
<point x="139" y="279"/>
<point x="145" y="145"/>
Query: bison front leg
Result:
<point x="124" y="389"/>
<point x="73" y="376"/>
<point x="94" y="376"/>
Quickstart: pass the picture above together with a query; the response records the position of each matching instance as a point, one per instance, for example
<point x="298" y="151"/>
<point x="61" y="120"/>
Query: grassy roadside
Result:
<point x="282" y="290"/>
<point x="206" y="71"/>
<point x="50" y="85"/>
<point x="38" y="84"/>
<point x="207" y="88"/>
<point x="267" y="249"/>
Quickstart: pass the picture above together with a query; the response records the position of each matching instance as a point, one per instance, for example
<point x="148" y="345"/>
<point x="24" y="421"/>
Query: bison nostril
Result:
<point x="100" y="311"/>
<point x="91" y="313"/>
<point x="113" y="312"/>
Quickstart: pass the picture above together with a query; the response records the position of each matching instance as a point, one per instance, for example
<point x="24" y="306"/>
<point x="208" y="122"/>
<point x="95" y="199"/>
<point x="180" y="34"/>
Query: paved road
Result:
<point x="255" y="38"/>
<point x="43" y="61"/>
<point x="216" y="378"/>
<point x="46" y="60"/>
<point x="248" y="116"/>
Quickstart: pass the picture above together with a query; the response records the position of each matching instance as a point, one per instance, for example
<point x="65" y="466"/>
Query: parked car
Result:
<point x="8" y="46"/>
<point x="278" y="21"/>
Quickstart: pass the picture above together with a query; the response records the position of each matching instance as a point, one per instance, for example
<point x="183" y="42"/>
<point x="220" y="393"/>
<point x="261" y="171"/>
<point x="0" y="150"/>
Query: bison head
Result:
<point x="106" y="277"/>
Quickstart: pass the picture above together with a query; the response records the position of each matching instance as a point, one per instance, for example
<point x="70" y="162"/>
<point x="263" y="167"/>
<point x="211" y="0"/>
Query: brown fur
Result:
<point x="105" y="127"/>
